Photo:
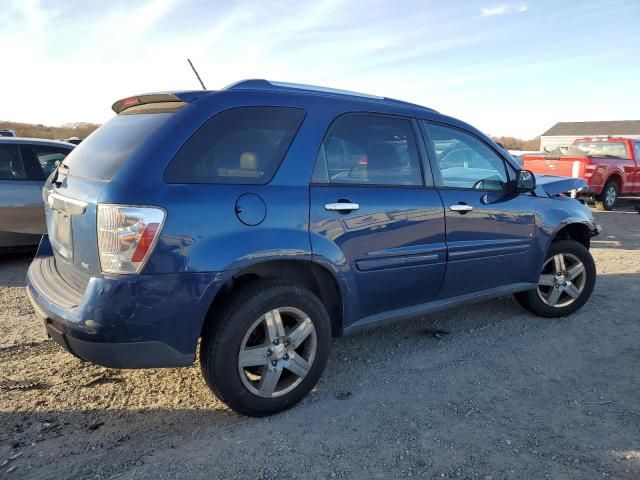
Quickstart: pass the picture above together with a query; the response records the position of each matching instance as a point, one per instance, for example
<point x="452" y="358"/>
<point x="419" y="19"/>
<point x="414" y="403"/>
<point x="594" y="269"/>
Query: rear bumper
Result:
<point x="129" y="321"/>
<point x="152" y="354"/>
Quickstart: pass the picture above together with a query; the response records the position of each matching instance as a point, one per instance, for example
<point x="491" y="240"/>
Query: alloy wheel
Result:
<point x="562" y="280"/>
<point x="610" y="195"/>
<point x="277" y="352"/>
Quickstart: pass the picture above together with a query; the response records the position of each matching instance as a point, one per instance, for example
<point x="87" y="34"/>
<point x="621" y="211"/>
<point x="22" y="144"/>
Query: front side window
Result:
<point x="11" y="164"/>
<point x="369" y="150"/>
<point x="464" y="161"/>
<point x="243" y="145"/>
<point x="48" y="156"/>
<point x="637" y="146"/>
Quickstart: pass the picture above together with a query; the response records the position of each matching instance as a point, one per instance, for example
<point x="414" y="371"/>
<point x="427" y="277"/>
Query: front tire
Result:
<point x="566" y="281"/>
<point x="609" y="196"/>
<point x="267" y="348"/>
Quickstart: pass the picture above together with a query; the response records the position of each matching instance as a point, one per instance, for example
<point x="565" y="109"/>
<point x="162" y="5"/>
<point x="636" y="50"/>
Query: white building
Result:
<point x="562" y="134"/>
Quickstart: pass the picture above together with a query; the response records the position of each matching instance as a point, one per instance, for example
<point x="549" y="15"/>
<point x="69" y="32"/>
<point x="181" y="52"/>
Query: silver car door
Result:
<point x="21" y="209"/>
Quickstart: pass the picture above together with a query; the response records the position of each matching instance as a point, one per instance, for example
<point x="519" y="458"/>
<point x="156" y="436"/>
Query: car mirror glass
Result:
<point x="526" y="181"/>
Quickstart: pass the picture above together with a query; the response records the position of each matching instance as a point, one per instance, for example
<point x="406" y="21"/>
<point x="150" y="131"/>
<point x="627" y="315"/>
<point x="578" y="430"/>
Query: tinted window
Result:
<point x="48" y="156"/>
<point x="637" y="145"/>
<point x="465" y="161"/>
<point x="368" y="149"/>
<point x="242" y="145"/>
<point x="104" y="151"/>
<point x="11" y="164"/>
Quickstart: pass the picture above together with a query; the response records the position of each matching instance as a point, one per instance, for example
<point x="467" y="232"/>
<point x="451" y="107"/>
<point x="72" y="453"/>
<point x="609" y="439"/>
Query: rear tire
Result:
<point x="266" y="348"/>
<point x="566" y="281"/>
<point x="609" y="196"/>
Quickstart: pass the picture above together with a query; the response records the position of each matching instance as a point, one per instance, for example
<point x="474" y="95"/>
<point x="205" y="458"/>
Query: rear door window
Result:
<point x="102" y="153"/>
<point x="243" y="145"/>
<point x="48" y="156"/>
<point x="11" y="163"/>
<point x="369" y="150"/>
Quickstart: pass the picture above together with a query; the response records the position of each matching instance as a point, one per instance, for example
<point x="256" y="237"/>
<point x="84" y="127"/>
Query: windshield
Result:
<point x="603" y="149"/>
<point x="105" y="150"/>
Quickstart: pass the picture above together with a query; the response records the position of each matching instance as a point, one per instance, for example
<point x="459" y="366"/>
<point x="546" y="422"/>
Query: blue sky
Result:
<point x="509" y="68"/>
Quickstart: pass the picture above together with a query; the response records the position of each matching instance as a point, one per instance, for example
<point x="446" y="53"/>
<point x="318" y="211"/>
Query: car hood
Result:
<point x="552" y="185"/>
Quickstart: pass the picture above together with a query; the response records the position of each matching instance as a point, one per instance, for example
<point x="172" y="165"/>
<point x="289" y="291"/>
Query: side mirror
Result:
<point x="525" y="181"/>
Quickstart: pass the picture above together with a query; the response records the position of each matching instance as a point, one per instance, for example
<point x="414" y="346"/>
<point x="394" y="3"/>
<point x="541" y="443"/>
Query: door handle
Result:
<point x="341" y="207"/>
<point x="460" y="208"/>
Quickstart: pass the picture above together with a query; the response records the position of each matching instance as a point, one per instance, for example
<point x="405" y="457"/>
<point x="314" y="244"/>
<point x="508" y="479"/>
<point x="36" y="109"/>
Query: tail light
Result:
<point x="126" y="236"/>
<point x="589" y="170"/>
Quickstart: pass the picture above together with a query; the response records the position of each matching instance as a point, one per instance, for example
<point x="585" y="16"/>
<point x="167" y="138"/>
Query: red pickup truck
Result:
<point x="609" y="165"/>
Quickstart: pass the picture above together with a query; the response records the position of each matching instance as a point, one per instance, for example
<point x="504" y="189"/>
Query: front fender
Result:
<point x="587" y="223"/>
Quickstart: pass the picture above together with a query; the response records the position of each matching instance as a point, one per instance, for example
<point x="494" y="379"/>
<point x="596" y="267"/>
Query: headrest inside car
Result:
<point x="248" y="161"/>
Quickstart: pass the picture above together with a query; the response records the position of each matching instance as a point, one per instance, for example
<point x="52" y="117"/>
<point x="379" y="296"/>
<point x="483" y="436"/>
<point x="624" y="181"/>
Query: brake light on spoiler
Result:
<point x="167" y="100"/>
<point x="127" y="236"/>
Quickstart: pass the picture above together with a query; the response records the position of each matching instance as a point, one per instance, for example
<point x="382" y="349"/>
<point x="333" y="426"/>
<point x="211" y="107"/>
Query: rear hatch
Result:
<point x="74" y="189"/>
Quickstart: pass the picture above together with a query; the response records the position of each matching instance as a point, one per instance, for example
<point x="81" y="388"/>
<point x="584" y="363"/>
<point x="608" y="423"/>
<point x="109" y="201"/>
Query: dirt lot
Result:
<point x="505" y="395"/>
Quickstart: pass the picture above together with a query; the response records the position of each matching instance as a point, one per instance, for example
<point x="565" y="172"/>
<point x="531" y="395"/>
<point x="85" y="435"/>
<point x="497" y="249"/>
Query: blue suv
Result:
<point x="266" y="218"/>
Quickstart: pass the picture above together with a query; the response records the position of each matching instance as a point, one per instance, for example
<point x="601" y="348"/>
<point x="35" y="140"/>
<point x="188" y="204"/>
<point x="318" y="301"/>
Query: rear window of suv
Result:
<point x="243" y="145"/>
<point x="105" y="150"/>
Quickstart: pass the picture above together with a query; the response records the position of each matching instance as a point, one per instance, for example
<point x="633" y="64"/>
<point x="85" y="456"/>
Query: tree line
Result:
<point x="512" y="143"/>
<point x="30" y="130"/>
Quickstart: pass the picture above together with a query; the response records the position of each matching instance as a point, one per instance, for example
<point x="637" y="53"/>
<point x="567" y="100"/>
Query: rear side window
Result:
<point x="11" y="164"/>
<point x="369" y="150"/>
<point x="243" y="145"/>
<point x="105" y="150"/>
<point x="48" y="156"/>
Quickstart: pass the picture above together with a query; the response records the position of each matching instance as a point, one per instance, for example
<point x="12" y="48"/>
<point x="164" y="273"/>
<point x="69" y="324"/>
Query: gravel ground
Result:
<point x="505" y="395"/>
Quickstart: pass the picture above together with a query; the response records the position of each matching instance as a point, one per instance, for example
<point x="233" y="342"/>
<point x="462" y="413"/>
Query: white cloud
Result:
<point x="503" y="9"/>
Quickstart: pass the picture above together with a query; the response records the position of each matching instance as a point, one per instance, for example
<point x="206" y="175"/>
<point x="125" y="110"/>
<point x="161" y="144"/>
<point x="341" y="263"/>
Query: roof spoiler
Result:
<point x="161" y="97"/>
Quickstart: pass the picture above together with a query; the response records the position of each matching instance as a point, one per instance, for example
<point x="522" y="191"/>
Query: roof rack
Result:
<point x="268" y="85"/>
<point x="259" y="84"/>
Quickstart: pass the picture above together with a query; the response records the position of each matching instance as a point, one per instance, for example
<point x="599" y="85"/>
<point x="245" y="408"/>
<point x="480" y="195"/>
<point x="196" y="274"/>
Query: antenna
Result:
<point x="196" y="72"/>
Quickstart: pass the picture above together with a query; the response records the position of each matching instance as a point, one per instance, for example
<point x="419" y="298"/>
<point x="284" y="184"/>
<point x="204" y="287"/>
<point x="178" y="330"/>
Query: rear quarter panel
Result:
<point x="608" y="168"/>
<point x="202" y="232"/>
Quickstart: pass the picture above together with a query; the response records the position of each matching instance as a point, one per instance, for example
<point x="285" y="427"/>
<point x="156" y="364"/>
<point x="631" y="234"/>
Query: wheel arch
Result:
<point x="573" y="231"/>
<point x="317" y="278"/>
<point x="616" y="176"/>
